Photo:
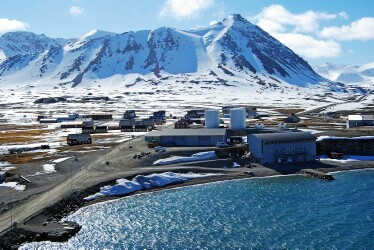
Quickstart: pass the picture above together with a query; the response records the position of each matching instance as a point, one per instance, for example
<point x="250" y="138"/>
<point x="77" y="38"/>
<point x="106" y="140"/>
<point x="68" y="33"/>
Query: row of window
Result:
<point x="291" y="150"/>
<point x="287" y="142"/>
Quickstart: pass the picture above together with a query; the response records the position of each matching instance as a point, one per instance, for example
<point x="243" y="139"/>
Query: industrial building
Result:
<point x="131" y="125"/>
<point x="159" y="117"/>
<point x="58" y="118"/>
<point x="77" y="139"/>
<point x="360" y="120"/>
<point x="187" y="137"/>
<point x="77" y="124"/>
<point x="129" y="114"/>
<point x="99" y="116"/>
<point x="139" y="126"/>
<point x="94" y="129"/>
<point x="286" y="147"/>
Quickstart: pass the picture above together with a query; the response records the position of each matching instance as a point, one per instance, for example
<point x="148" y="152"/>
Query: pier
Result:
<point x="318" y="174"/>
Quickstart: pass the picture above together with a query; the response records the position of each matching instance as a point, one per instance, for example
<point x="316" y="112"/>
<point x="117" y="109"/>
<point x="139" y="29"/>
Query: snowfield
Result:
<point x="49" y="168"/>
<point x="141" y="182"/>
<point x="201" y="156"/>
<point x="323" y="137"/>
<point x="362" y="75"/>
<point x="14" y="185"/>
<point x="348" y="158"/>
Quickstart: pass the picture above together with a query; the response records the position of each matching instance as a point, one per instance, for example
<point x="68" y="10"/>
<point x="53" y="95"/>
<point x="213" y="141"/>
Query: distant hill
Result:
<point x="361" y="75"/>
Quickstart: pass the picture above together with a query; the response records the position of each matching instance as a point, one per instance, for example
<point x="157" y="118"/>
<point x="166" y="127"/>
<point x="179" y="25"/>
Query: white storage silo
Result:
<point x="211" y="119"/>
<point x="237" y="118"/>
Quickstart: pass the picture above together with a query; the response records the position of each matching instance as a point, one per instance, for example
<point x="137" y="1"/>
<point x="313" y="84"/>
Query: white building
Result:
<point x="360" y="120"/>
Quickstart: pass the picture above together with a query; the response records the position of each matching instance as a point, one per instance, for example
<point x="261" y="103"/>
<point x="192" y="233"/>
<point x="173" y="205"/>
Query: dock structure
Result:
<point x="318" y="174"/>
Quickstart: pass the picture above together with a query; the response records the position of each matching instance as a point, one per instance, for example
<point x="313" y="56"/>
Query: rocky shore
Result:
<point x="47" y="225"/>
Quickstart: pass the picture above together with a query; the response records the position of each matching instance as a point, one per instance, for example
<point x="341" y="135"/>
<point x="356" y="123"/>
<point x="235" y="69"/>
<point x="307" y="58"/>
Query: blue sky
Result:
<point x="337" y="31"/>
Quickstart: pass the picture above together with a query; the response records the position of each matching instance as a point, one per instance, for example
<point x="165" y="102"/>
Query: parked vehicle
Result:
<point x="159" y="149"/>
<point x="153" y="144"/>
<point x="234" y="155"/>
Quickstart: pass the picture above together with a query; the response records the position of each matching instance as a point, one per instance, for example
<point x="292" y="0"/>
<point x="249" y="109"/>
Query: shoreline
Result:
<point x="33" y="229"/>
<point x="349" y="170"/>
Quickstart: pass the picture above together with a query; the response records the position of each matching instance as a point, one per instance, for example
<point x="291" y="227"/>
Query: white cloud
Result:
<point x="362" y="29"/>
<point x="343" y="15"/>
<point x="181" y="9"/>
<point x="308" y="46"/>
<point x="270" y="25"/>
<point x="7" y="25"/>
<point x="275" y="18"/>
<point x="76" y="10"/>
<point x="299" y="31"/>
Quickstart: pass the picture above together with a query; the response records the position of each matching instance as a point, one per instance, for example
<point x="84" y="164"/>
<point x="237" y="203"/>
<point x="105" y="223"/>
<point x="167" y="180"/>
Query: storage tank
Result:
<point x="237" y="118"/>
<point x="211" y="119"/>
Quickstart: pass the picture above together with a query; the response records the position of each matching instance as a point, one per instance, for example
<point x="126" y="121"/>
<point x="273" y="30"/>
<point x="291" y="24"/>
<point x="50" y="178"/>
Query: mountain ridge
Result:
<point x="233" y="48"/>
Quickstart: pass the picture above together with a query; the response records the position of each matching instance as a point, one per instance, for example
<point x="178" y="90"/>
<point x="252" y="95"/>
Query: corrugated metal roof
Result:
<point x="188" y="132"/>
<point x="290" y="136"/>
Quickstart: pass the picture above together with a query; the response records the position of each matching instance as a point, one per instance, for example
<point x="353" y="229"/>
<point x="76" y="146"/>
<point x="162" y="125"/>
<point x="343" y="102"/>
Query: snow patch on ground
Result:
<point x="142" y="182"/>
<point x="49" y="168"/>
<point x="323" y="137"/>
<point x="348" y="158"/>
<point x="236" y="165"/>
<point x="9" y="168"/>
<point x="61" y="160"/>
<point x="312" y="131"/>
<point x="201" y="156"/>
<point x="4" y="164"/>
<point x="14" y="185"/>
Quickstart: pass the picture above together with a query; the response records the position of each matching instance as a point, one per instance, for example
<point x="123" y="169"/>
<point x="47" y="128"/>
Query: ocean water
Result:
<point x="292" y="212"/>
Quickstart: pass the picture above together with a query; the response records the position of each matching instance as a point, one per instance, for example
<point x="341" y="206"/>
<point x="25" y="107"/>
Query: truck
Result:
<point x="153" y="144"/>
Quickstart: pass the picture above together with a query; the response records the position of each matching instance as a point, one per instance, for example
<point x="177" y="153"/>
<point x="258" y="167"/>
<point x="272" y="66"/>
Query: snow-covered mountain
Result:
<point x="230" y="52"/>
<point x="361" y="75"/>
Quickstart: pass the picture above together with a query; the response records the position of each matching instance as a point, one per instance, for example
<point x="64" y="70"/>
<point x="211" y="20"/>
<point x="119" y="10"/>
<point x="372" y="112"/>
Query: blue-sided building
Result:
<point x="188" y="137"/>
<point x="284" y="147"/>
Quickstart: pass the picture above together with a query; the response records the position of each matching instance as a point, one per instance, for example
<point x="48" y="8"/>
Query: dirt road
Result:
<point x="89" y="170"/>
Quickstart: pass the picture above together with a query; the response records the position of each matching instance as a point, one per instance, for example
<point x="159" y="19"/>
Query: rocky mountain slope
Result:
<point x="232" y="52"/>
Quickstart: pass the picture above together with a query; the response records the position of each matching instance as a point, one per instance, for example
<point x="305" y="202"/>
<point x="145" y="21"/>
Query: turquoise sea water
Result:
<point x="292" y="212"/>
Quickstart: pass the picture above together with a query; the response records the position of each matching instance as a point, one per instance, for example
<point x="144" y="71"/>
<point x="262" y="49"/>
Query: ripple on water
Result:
<point x="270" y="213"/>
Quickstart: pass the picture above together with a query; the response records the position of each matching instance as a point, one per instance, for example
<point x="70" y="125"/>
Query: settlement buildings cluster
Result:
<point x="266" y="145"/>
<point x="209" y="128"/>
<point x="95" y="123"/>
